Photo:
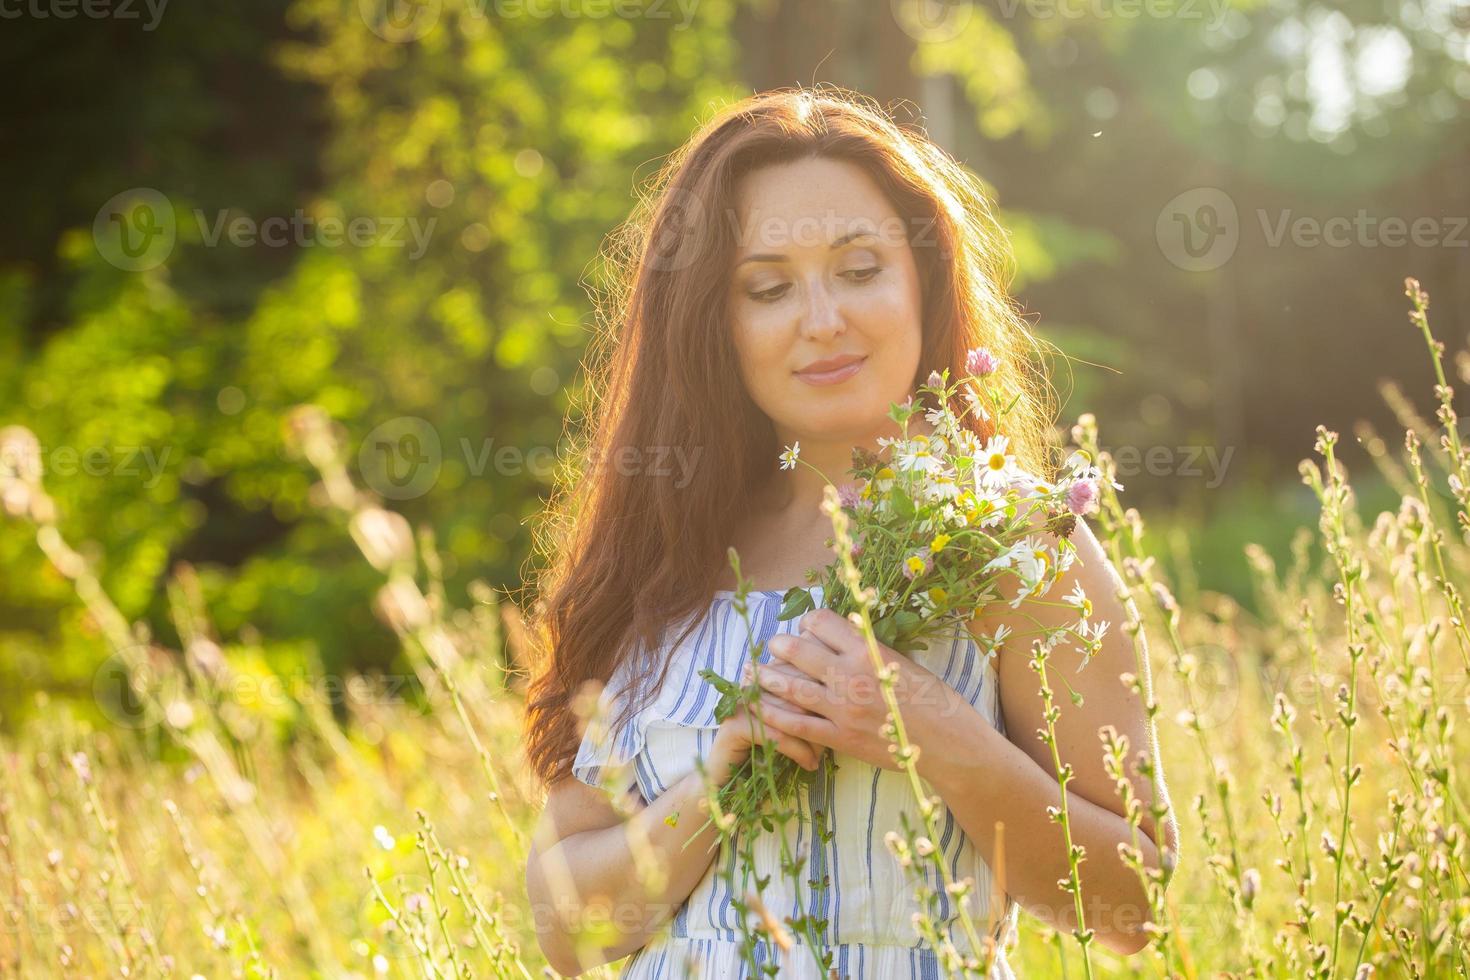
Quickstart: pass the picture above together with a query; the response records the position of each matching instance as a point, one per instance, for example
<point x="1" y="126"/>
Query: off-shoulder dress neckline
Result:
<point x="730" y="593"/>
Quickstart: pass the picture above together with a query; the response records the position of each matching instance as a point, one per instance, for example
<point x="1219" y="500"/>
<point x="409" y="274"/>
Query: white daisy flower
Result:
<point x="1077" y="598"/>
<point x="996" y="467"/>
<point x="789" y="457"/>
<point x="972" y="398"/>
<point x="921" y="455"/>
<point x="1006" y="559"/>
<point x="1065" y="558"/>
<point x="940" y="488"/>
<point x="1033" y="558"/>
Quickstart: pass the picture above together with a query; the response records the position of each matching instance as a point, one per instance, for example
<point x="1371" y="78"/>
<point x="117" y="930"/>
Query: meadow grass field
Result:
<point x="206" y="817"/>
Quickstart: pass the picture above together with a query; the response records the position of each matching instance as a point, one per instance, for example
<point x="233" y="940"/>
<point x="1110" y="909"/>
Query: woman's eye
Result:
<point x="769" y="295"/>
<point x="863" y="275"/>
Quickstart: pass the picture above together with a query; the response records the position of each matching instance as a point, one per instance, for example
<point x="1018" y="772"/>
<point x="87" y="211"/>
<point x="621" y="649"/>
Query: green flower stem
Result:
<point x="905" y="754"/>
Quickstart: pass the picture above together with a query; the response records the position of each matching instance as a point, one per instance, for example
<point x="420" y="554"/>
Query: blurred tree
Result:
<point x="481" y="158"/>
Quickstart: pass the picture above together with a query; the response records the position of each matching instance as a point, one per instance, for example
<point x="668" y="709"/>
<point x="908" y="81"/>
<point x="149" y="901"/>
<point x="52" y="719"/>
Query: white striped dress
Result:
<point x="870" y="905"/>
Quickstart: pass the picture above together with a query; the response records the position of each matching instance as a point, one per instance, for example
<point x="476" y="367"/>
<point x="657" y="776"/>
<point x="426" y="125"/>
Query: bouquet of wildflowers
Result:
<point x="942" y="524"/>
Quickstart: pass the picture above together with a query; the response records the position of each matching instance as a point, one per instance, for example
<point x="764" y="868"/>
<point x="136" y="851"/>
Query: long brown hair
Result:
<point x="631" y="551"/>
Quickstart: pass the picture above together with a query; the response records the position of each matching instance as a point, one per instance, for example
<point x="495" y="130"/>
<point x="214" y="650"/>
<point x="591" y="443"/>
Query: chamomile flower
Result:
<point x="1090" y="640"/>
<point x="922" y="454"/>
<point x="997" y="638"/>
<point x="939" y="488"/>
<point x="966" y="443"/>
<point x="992" y="642"/>
<point x="1008" y="557"/>
<point x="790" y="456"/>
<point x="972" y="398"/>
<point x="1033" y="558"/>
<point x="1028" y="589"/>
<point x="1077" y="598"/>
<point x="996" y="466"/>
<point x="944" y="423"/>
<point x="1065" y="558"/>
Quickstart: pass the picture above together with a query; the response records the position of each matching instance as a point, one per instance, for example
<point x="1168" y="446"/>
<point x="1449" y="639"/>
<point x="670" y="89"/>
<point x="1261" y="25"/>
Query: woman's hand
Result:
<point x="827" y="673"/>
<point x="734" y="740"/>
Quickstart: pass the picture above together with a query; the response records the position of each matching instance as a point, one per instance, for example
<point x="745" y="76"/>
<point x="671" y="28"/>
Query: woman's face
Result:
<point x="823" y="273"/>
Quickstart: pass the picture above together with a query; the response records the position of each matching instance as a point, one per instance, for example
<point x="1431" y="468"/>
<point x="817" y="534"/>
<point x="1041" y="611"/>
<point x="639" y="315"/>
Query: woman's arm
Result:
<point x="998" y="780"/>
<point x="601" y="882"/>
<point x="582" y="875"/>
<point x="980" y="774"/>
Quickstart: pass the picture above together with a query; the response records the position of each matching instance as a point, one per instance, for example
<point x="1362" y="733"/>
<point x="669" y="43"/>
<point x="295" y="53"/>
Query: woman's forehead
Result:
<point x="833" y="197"/>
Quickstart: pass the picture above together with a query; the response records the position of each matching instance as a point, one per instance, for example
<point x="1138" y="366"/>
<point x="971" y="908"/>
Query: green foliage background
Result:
<point x="523" y="140"/>
<point x="532" y="133"/>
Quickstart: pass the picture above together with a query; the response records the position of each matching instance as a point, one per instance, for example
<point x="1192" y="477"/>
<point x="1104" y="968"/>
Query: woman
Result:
<point x="802" y="264"/>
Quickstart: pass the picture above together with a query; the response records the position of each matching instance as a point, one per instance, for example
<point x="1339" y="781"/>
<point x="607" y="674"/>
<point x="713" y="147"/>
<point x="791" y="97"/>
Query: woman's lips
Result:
<point x="834" y="376"/>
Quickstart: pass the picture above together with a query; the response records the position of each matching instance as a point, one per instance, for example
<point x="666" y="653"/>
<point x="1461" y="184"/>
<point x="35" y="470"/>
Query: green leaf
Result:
<point x="902" y="505"/>
<point x="795" y="602"/>
<point x="720" y="684"/>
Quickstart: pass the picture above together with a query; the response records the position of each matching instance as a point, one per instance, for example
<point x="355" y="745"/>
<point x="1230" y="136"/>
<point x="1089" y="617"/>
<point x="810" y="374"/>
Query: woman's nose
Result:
<point x="822" y="317"/>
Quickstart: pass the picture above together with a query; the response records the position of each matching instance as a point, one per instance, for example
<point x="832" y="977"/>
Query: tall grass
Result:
<point x="1316" y="756"/>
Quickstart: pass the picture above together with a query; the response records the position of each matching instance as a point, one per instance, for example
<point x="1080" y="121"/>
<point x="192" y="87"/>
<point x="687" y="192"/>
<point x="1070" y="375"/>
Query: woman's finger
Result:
<point x="802" y="692"/>
<point x="797" y="689"/>
<point x="805" y="652"/>
<point x="798" y="750"/>
<point x="813" y="728"/>
<point x="801" y="751"/>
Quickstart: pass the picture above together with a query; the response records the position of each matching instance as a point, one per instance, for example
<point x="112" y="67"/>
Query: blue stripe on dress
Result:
<point x="944" y="840"/>
<point x="834" y="895"/>
<point x="802" y="819"/>
<point x="872" y="817"/>
<point x="701" y="691"/>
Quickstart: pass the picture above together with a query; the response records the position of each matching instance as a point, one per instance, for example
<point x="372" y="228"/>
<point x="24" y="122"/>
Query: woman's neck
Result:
<point x="800" y="491"/>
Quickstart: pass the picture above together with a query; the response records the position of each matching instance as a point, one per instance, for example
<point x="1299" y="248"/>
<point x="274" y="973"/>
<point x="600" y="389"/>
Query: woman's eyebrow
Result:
<point x="780" y="257"/>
